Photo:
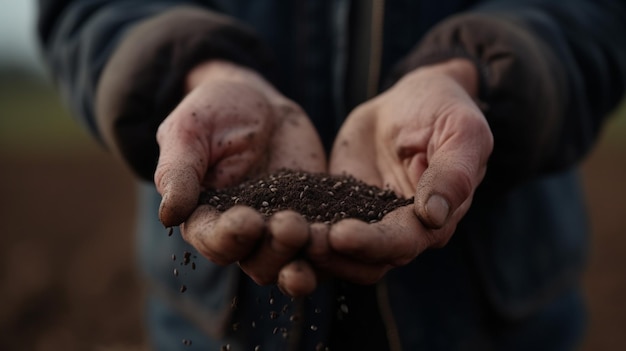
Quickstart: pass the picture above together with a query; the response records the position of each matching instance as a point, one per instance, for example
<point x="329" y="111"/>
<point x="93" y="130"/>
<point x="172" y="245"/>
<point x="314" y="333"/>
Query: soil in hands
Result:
<point x="318" y="197"/>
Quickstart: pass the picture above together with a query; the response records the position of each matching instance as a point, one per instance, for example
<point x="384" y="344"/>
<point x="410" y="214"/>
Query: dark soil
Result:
<point x="318" y="197"/>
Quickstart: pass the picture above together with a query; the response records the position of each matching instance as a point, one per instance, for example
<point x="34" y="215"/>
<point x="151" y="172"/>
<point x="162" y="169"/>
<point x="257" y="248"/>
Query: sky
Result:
<point x="18" y="47"/>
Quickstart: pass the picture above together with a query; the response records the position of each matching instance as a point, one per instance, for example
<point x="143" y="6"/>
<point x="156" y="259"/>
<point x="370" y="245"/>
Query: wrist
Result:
<point x="225" y="71"/>
<point x="461" y="70"/>
<point x="212" y="70"/>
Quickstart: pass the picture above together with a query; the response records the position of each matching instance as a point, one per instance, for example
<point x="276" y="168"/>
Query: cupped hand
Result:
<point x="424" y="137"/>
<point x="233" y="124"/>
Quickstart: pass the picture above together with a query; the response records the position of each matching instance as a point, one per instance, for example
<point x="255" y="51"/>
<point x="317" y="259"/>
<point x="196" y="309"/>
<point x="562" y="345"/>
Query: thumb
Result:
<point x="179" y="172"/>
<point x="179" y="188"/>
<point x="457" y="163"/>
<point x="448" y="182"/>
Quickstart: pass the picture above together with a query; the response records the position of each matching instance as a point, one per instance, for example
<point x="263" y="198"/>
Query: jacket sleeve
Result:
<point x="550" y="73"/>
<point x="121" y="65"/>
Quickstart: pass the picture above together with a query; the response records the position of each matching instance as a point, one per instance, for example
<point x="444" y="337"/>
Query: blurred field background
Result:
<point x="67" y="276"/>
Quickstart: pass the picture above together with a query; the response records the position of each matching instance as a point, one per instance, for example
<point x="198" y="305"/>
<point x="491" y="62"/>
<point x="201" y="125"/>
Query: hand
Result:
<point x="424" y="137"/>
<point x="267" y="251"/>
<point x="230" y="125"/>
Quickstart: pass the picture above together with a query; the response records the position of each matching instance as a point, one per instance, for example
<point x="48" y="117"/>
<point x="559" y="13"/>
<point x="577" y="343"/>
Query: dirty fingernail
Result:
<point x="438" y="210"/>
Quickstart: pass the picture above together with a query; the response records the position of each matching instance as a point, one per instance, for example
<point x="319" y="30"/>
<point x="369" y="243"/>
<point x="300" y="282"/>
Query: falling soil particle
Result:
<point x="186" y="257"/>
<point x="318" y="197"/>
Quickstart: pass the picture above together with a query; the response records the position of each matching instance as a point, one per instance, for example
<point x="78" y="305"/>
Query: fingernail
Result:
<point x="437" y="209"/>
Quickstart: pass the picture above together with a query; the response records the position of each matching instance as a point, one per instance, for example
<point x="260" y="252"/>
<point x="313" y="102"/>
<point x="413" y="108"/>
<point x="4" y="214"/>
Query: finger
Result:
<point x="224" y="238"/>
<point x="179" y="189"/>
<point x="328" y="263"/>
<point x="346" y="266"/>
<point x="455" y="169"/>
<point x="318" y="248"/>
<point x="180" y="168"/>
<point x="297" y="278"/>
<point x="200" y="222"/>
<point x="287" y="234"/>
<point x="396" y="240"/>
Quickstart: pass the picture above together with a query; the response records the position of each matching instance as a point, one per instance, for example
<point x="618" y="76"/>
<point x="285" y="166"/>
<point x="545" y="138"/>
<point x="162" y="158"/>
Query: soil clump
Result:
<point x="319" y="197"/>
